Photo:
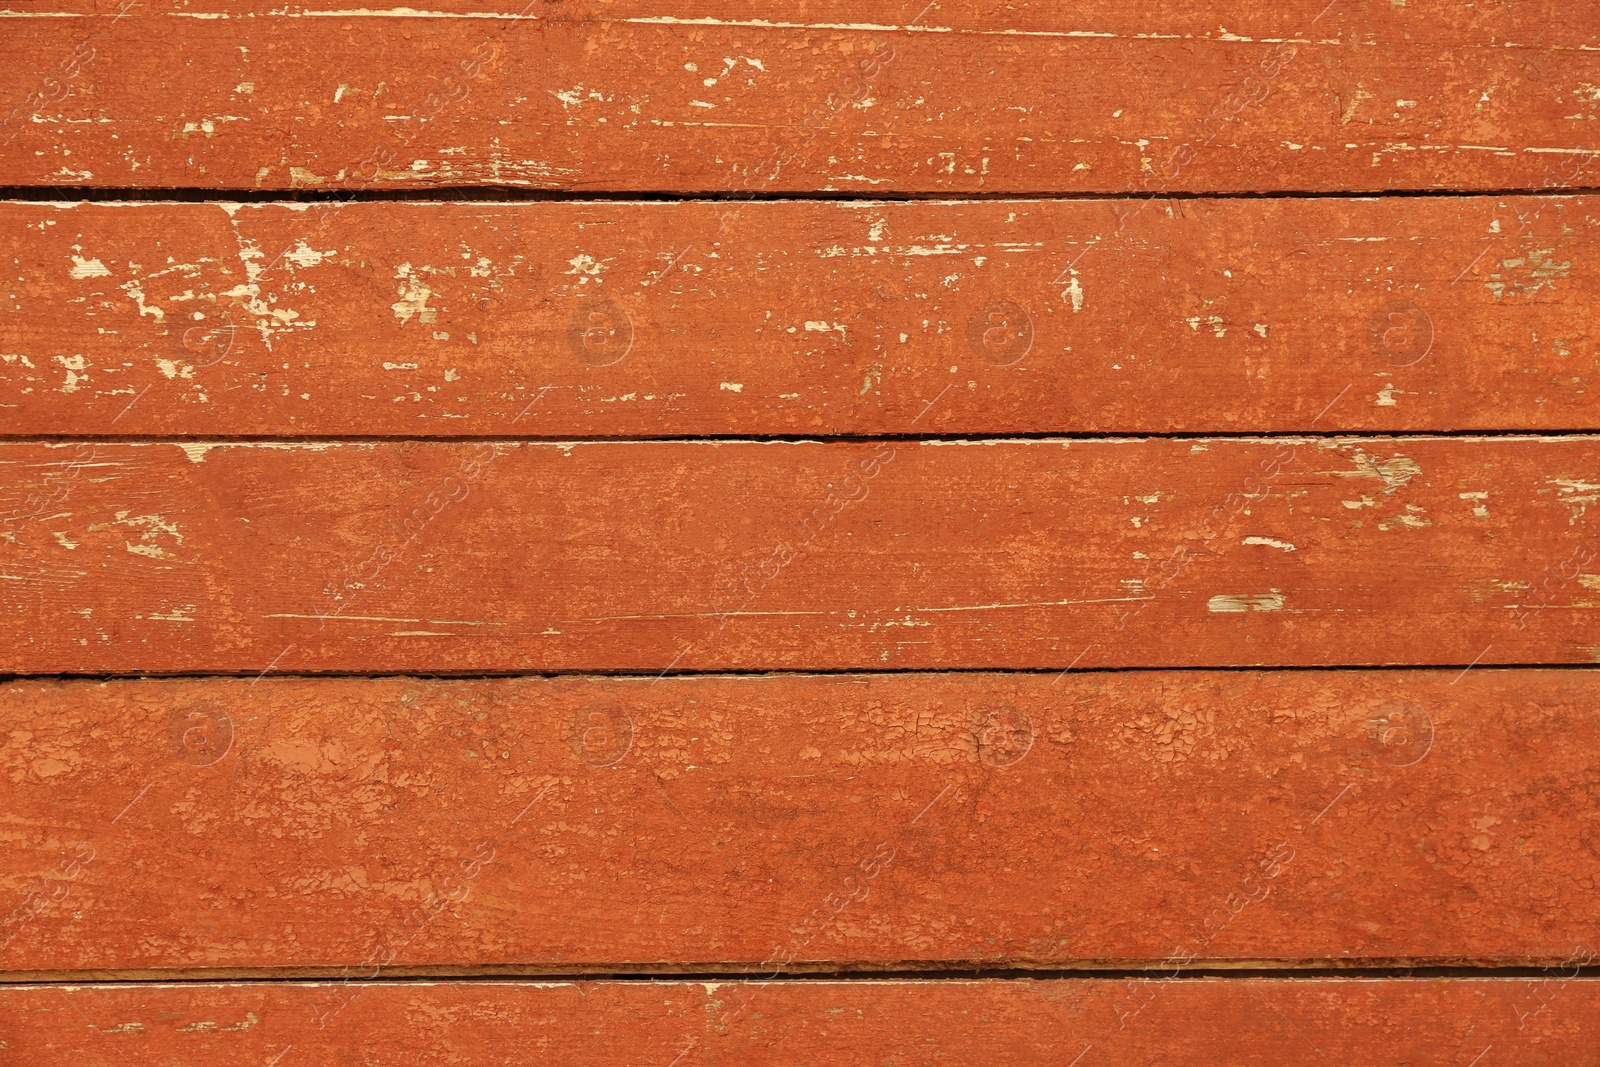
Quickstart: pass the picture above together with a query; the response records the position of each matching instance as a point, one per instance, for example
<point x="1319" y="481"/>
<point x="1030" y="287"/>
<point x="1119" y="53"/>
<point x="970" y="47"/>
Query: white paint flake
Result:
<point x="88" y="268"/>
<point x="1236" y="602"/>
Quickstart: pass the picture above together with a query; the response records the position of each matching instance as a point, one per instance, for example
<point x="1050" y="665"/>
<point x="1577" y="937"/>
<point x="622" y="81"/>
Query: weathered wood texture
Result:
<point x="558" y="319"/>
<point x="669" y="96"/>
<point x="871" y="1024"/>
<point x="776" y="822"/>
<point x="500" y="556"/>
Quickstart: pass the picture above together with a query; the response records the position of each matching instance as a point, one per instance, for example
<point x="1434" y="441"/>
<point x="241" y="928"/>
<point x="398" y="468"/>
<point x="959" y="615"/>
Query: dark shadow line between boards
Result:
<point x="1289" y="972"/>
<point x="502" y="194"/>
<point x="823" y="672"/>
<point x="818" y="439"/>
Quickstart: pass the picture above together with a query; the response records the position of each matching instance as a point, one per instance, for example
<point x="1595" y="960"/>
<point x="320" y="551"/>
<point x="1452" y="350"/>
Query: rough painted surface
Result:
<point x="870" y="1024"/>
<point x="439" y="557"/>
<point x="594" y="319"/>
<point x="776" y="822"/>
<point x="1333" y="97"/>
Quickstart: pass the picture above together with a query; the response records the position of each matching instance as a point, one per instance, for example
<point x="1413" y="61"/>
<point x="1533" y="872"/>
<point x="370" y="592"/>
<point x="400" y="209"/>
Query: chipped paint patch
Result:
<point x="1527" y="274"/>
<point x="1393" y="472"/>
<point x="303" y="255"/>
<point x="413" y="297"/>
<point x="76" y="372"/>
<point x="1413" y="519"/>
<point x="1228" y="603"/>
<point x="88" y="268"/>
<point x="1577" y="494"/>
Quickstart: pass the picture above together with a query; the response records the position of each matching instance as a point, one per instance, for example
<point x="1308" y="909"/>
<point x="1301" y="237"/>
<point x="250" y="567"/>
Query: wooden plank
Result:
<point x="1542" y="22"/>
<point x="571" y="319"/>
<point x="440" y="557"/>
<point x="797" y="822"/>
<point x="1332" y="98"/>
<point x="1248" y="1022"/>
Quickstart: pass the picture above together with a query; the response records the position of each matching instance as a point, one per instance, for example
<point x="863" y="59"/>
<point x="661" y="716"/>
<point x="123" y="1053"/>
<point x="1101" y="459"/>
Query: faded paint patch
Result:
<point x="413" y="297"/>
<point x="75" y="367"/>
<point x="1393" y="472"/>
<point x="1238" y="602"/>
<point x="88" y="268"/>
<point x="1527" y="274"/>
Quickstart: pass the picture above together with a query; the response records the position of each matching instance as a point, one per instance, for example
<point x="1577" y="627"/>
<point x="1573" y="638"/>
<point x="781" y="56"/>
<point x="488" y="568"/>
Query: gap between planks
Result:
<point x="497" y="195"/>
<point x="1087" y="437"/>
<point x="1113" y="971"/>
<point x="779" y="672"/>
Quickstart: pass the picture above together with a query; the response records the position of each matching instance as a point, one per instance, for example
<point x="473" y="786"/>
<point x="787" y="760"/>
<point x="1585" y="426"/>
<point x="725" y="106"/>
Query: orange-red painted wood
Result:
<point x="468" y="557"/>
<point x="1548" y="1020"/>
<point x="668" y="96"/>
<point x="797" y="822"/>
<point x="1538" y="22"/>
<point x="591" y="319"/>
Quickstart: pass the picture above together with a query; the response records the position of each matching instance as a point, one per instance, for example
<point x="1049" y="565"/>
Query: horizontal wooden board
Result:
<point x="554" y="319"/>
<point x="1547" y="1020"/>
<point x="1331" y="97"/>
<point x="438" y="557"/>
<point x="1541" y="22"/>
<point x="780" y="822"/>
